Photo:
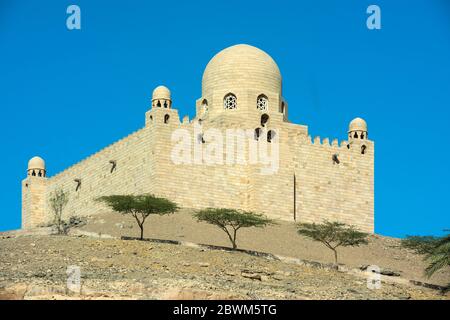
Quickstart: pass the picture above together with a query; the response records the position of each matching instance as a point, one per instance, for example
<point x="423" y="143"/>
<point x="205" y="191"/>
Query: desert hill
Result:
<point x="33" y="265"/>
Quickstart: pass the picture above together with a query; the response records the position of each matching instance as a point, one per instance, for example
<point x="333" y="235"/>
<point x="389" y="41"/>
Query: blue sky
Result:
<point x="65" y="94"/>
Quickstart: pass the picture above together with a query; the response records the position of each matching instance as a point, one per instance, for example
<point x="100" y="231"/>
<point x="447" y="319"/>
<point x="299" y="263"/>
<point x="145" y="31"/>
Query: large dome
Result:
<point x="241" y="67"/>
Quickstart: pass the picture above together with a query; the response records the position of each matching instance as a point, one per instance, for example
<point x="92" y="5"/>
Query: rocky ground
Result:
<point x="281" y="239"/>
<point x="34" y="265"/>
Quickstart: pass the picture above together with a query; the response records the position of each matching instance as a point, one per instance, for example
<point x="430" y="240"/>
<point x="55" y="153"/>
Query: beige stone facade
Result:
<point x="310" y="179"/>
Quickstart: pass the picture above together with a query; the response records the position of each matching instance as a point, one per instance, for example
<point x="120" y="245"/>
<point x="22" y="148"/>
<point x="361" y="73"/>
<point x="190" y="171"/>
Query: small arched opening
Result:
<point x="204" y="105"/>
<point x="270" y="135"/>
<point x="257" y="133"/>
<point x="166" y="119"/>
<point x="363" y="149"/>
<point x="264" y="119"/>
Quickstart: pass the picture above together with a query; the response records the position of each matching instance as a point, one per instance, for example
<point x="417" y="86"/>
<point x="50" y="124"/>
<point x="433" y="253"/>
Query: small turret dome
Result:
<point x="36" y="167"/>
<point x="357" y="124"/>
<point x="161" y="98"/>
<point x="36" y="163"/>
<point x="161" y="92"/>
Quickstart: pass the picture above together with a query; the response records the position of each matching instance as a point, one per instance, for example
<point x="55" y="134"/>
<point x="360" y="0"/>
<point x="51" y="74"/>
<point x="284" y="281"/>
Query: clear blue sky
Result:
<point x="66" y="94"/>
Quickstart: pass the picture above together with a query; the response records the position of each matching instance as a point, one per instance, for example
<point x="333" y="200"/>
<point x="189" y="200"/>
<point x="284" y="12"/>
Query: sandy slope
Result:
<point x="34" y="267"/>
<point x="281" y="239"/>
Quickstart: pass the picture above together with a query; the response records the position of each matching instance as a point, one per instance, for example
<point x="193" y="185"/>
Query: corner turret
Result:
<point x="34" y="189"/>
<point x="357" y="129"/>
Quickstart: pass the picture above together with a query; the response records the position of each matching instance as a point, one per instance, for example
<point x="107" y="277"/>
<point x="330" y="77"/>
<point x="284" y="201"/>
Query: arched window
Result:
<point x="257" y="133"/>
<point x="166" y="118"/>
<point x="262" y="103"/>
<point x="165" y="104"/>
<point x="230" y="101"/>
<point x="282" y="108"/>
<point x="158" y="104"/>
<point x="270" y="135"/>
<point x="264" y="119"/>
<point x="204" y="105"/>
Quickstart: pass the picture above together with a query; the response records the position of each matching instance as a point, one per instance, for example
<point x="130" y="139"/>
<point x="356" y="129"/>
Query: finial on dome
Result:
<point x="36" y="167"/>
<point x="357" y="129"/>
<point x="161" y="97"/>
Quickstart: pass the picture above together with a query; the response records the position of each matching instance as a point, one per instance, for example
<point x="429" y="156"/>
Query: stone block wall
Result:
<point x="323" y="189"/>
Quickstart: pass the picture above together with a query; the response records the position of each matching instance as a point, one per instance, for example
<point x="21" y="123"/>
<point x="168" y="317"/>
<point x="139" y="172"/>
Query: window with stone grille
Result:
<point x="262" y="103"/>
<point x="230" y="101"/>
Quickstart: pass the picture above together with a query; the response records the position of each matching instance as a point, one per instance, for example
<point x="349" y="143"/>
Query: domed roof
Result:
<point x="357" y="124"/>
<point x="241" y="66"/>
<point x="161" y="92"/>
<point x="36" y="163"/>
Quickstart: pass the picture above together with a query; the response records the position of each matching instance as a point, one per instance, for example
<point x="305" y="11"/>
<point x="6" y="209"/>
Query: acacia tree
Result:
<point x="231" y="220"/>
<point x="140" y="206"/>
<point x="333" y="235"/>
<point x="58" y="200"/>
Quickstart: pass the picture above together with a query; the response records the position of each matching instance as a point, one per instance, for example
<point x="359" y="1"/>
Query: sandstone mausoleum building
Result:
<point x="313" y="179"/>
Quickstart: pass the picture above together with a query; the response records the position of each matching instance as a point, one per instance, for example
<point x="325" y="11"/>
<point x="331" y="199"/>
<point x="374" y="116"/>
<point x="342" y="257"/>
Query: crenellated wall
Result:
<point x="341" y="191"/>
<point x="323" y="189"/>
<point x="94" y="177"/>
